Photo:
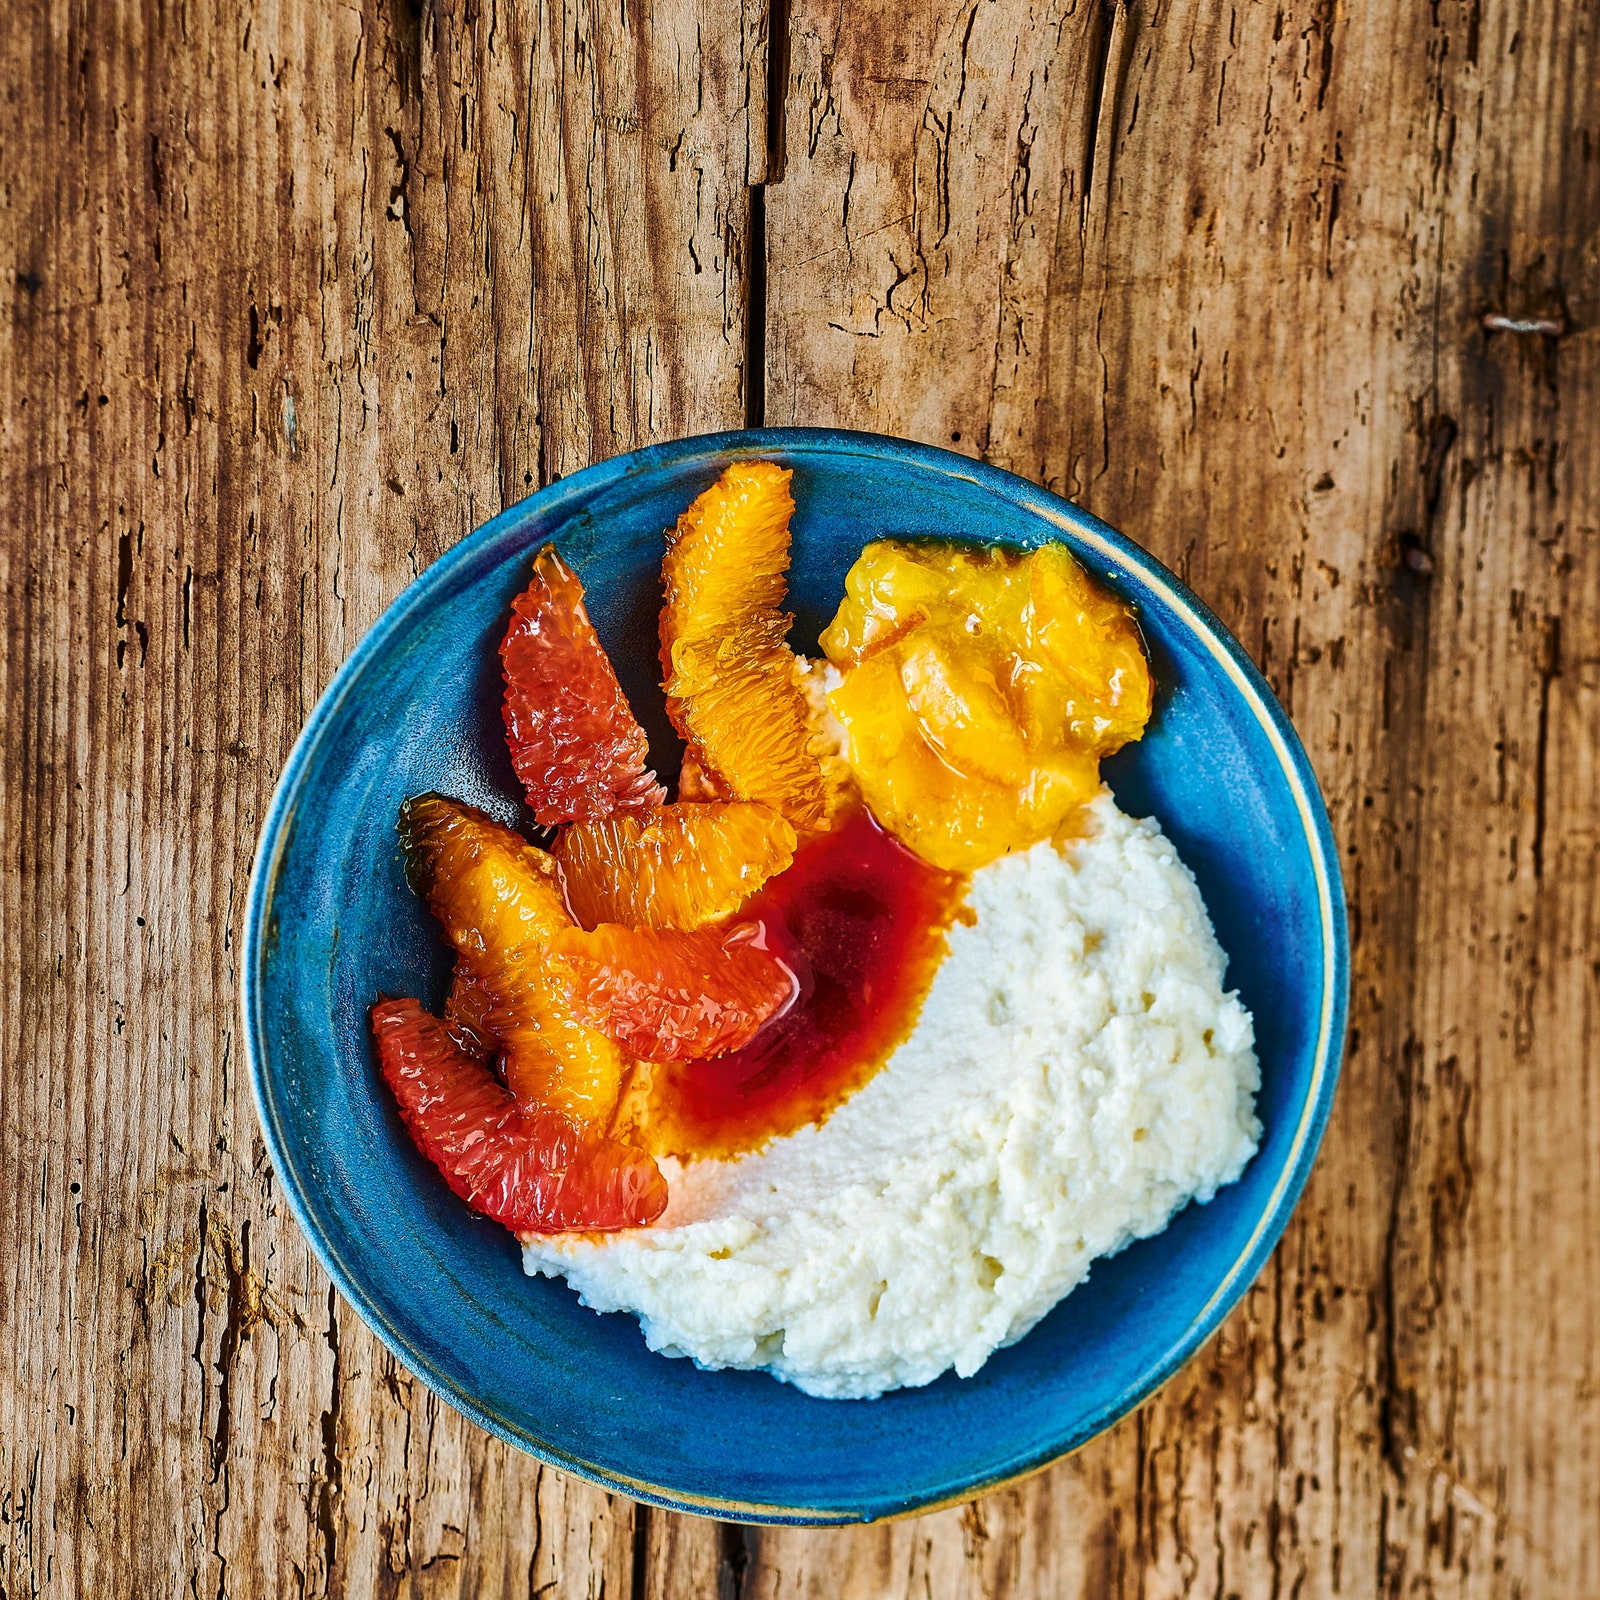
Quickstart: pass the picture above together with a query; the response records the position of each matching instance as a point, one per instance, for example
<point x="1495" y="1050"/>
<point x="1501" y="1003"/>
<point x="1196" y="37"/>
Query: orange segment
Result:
<point x="667" y="996"/>
<point x="1090" y="639"/>
<point x="733" y="685"/>
<point x="466" y="1014"/>
<point x="533" y="1171"/>
<point x="695" y="783"/>
<point x="679" y="866"/>
<point x="574" y="742"/>
<point x="979" y="691"/>
<point x="499" y="899"/>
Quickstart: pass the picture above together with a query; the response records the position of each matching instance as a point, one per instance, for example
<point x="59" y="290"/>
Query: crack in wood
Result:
<point x="1549" y="669"/>
<point x="330" y="1474"/>
<point x="1105" y="87"/>
<point x="734" y="1544"/>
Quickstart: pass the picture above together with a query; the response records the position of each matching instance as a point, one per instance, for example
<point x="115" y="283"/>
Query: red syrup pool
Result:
<point x="863" y="923"/>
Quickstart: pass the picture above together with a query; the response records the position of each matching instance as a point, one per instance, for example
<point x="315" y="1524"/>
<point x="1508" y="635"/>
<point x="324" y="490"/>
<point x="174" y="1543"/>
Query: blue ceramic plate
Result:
<point x="331" y="923"/>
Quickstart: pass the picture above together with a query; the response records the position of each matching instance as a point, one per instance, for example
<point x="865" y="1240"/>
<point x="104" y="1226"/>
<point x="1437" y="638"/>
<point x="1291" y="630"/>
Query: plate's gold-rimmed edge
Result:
<point x="1153" y="579"/>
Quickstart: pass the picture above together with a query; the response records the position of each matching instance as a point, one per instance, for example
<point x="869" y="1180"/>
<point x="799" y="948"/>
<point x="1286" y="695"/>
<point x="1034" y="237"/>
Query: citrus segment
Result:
<point x="574" y="742"/>
<point x="667" y="996"/>
<point x="500" y="902"/>
<point x="679" y="866"/>
<point x="979" y="691"/>
<point x="733" y="685"/>
<point x="533" y="1171"/>
<point x="466" y="1014"/>
<point x="1091" y="640"/>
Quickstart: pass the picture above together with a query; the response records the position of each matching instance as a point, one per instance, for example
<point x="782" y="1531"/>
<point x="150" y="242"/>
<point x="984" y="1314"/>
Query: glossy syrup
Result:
<point x="862" y="921"/>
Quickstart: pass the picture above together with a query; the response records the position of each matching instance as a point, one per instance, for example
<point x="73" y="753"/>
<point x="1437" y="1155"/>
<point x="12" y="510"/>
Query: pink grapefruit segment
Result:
<point x="574" y="742"/>
<point x="669" y="996"/>
<point x="533" y="1171"/>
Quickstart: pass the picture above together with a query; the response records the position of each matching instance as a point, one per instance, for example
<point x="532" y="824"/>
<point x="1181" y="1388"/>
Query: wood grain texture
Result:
<point x="1236" y="282"/>
<point x="293" y="296"/>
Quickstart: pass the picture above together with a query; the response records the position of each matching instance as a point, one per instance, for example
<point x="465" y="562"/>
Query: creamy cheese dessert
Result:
<point x="850" y="1061"/>
<point x="1077" y="1074"/>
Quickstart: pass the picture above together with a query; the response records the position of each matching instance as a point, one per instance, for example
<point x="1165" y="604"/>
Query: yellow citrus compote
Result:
<point x="980" y="690"/>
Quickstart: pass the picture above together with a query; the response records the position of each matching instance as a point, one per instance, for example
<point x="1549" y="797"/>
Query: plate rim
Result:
<point x="1122" y="554"/>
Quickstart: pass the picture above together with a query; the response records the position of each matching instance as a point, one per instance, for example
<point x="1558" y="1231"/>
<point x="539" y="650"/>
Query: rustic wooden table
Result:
<point x="1304" y="295"/>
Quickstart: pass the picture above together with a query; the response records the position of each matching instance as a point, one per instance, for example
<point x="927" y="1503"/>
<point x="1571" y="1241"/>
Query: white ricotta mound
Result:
<point x="1076" y="1076"/>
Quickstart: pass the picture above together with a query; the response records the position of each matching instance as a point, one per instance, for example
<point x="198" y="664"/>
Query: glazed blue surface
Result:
<point x="331" y="924"/>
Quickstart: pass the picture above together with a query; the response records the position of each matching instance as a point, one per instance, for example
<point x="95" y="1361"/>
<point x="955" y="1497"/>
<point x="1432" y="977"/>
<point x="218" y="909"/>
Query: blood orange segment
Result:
<point x="733" y="685"/>
<point x="680" y="866"/>
<point x="533" y="1171"/>
<point x="499" y="899"/>
<point x="668" y="996"/>
<point x="574" y="742"/>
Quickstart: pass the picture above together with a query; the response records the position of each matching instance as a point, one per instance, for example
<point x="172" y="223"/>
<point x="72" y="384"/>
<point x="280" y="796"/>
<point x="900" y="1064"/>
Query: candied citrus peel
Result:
<point x="574" y="742"/>
<point x="980" y="689"/>
<point x="679" y="866"/>
<point x="733" y="685"/>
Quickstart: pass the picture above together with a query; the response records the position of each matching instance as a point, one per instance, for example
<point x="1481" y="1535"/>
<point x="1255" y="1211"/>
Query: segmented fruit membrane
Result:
<point x="980" y="690"/>
<point x="863" y="923"/>
<point x="574" y="742"/>
<point x="695" y="783"/>
<point x="534" y="1171"/>
<point x="467" y="1010"/>
<point x="678" y="866"/>
<point x="732" y="683"/>
<point x="499" y="901"/>
<point x="667" y="996"/>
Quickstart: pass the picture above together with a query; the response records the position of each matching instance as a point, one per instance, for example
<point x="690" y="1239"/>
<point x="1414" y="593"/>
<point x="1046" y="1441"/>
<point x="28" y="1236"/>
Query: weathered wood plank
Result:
<point x="350" y="279"/>
<point x="1269" y="235"/>
<point x="912" y="241"/>
<point x="294" y="296"/>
